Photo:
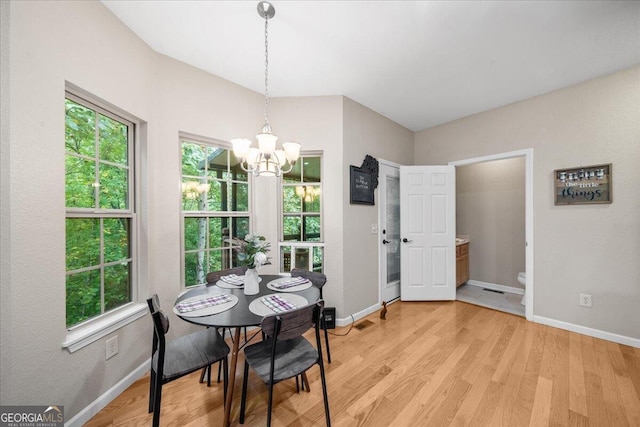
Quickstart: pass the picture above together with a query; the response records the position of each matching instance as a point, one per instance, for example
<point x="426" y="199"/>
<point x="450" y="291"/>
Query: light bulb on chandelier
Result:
<point x="266" y="159"/>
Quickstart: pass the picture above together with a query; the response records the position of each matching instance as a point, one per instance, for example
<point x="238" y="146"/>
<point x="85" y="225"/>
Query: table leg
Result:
<point x="232" y="378"/>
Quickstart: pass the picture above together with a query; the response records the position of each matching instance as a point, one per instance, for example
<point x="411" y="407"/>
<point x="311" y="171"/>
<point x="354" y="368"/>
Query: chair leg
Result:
<point x="152" y="389"/>
<point x="243" y="402"/>
<point x="324" y="392"/>
<point x="156" y="404"/>
<point x="326" y="338"/>
<point x="297" y="385"/>
<point x="270" y="405"/>
<point x="204" y="371"/>
<point x="305" y="382"/>
<point x="209" y="376"/>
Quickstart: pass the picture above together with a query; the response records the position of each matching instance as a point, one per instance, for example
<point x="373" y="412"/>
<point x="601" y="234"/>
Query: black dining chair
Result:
<point x="285" y="353"/>
<point x="214" y="276"/>
<point x="174" y="359"/>
<point x="318" y="280"/>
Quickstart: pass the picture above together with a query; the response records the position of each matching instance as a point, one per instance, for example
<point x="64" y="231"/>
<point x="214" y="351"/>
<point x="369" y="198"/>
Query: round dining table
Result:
<point x="237" y="317"/>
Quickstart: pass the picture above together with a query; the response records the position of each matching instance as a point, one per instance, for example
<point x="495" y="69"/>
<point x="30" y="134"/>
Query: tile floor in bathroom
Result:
<point x="507" y="301"/>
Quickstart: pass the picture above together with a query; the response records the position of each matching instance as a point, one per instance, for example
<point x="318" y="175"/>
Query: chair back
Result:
<point x="160" y="327"/>
<point x="293" y="323"/>
<point x="214" y="276"/>
<point x="318" y="279"/>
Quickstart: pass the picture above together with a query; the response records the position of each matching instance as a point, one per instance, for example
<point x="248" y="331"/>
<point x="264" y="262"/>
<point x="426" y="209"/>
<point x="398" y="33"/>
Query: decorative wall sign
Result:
<point x="583" y="185"/>
<point x="370" y="164"/>
<point x="361" y="186"/>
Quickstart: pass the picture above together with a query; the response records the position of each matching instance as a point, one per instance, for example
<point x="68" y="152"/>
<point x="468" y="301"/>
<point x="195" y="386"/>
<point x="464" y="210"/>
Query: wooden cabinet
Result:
<point x="462" y="263"/>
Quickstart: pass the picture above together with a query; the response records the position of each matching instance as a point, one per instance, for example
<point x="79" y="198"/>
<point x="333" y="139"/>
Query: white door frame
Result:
<point x="528" y="158"/>
<point x="382" y="281"/>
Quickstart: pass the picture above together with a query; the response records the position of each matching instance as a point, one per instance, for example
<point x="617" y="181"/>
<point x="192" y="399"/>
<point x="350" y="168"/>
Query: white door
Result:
<point x="428" y="233"/>
<point x="389" y="235"/>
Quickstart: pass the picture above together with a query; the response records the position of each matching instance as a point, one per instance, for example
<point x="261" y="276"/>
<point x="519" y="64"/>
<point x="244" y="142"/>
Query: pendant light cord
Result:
<point x="266" y="69"/>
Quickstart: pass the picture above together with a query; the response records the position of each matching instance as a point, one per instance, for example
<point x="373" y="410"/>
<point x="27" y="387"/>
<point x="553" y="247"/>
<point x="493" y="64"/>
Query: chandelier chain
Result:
<point x="266" y="69"/>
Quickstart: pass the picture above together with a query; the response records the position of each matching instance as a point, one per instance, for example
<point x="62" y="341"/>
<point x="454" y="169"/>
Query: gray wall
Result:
<point x="591" y="249"/>
<point x="490" y="200"/>
<point x="366" y="132"/>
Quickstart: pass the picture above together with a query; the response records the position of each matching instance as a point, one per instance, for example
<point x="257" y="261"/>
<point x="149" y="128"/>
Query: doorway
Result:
<point x="527" y="156"/>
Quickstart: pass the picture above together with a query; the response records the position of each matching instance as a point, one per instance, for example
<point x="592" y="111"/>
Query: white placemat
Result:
<point x="207" y="311"/>
<point x="258" y="308"/>
<point x="301" y="287"/>
<point x="225" y="285"/>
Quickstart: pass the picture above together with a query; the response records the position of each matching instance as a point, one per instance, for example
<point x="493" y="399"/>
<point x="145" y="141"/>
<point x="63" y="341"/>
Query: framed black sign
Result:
<point x="361" y="187"/>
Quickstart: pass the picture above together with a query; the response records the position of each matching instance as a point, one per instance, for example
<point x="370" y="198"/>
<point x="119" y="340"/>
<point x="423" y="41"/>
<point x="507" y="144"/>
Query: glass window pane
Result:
<point x="237" y="174"/>
<point x="194" y="196"/>
<point x="318" y="259"/>
<point x="80" y="129"/>
<point x="294" y="175"/>
<point x="113" y="187"/>
<point x="218" y="232"/>
<point x="292" y="227"/>
<point x="215" y="260"/>
<point x="291" y="201"/>
<point x="217" y="196"/>
<point x="217" y="162"/>
<point x="83" y="296"/>
<point x="311" y="229"/>
<point x="195" y="233"/>
<point x="82" y="243"/>
<point x="285" y="259"/>
<point x="116" y="239"/>
<point x="193" y="157"/>
<point x="79" y="182"/>
<point x="116" y="285"/>
<point x="302" y="258"/>
<point x="191" y="268"/>
<point x="311" y="169"/>
<point x="239" y="197"/>
<point x="311" y="198"/>
<point x="113" y="140"/>
<point x="241" y="228"/>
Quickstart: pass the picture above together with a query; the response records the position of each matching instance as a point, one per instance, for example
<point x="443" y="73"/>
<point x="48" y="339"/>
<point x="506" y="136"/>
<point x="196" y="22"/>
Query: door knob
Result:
<point x="384" y="242"/>
<point x="405" y="240"/>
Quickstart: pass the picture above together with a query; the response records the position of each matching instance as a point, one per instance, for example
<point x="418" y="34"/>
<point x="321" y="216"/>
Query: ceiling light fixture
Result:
<point x="266" y="160"/>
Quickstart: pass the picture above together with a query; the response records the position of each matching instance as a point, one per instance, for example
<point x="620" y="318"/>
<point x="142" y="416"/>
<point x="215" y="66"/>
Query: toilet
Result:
<point x="522" y="278"/>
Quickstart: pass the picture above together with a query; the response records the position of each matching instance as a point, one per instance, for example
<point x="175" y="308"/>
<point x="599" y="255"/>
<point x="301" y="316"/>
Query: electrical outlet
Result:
<point x="112" y="347"/>
<point x="585" y="300"/>
<point x="374" y="228"/>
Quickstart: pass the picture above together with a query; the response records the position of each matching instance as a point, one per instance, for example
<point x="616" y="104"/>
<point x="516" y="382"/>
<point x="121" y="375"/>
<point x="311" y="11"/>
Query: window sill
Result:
<point x="85" y="335"/>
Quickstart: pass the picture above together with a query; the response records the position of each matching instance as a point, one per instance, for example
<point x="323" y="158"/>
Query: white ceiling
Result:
<point x="419" y="63"/>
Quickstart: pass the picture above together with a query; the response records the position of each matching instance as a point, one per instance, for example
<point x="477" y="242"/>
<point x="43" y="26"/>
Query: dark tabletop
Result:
<point x="239" y="315"/>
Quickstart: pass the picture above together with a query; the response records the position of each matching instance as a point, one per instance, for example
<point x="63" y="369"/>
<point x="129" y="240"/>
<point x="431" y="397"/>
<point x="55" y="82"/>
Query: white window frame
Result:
<point x="196" y="139"/>
<point x="90" y="330"/>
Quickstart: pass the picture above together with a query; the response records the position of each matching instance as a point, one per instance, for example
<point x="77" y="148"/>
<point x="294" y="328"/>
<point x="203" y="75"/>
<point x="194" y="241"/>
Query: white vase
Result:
<point x="251" y="280"/>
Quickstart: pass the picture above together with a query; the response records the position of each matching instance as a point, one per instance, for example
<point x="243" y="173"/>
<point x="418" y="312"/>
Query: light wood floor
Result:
<point x="428" y="363"/>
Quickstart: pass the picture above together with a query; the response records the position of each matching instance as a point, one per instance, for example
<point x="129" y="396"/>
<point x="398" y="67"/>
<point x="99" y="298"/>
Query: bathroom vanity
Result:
<point x="462" y="260"/>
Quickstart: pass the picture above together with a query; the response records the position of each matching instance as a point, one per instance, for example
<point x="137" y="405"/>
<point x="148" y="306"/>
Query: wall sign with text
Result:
<point x="583" y="185"/>
<point x="361" y="186"/>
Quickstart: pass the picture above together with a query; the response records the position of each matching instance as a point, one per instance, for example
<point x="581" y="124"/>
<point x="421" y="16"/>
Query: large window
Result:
<point x="301" y="242"/>
<point x="99" y="182"/>
<point x="215" y="205"/>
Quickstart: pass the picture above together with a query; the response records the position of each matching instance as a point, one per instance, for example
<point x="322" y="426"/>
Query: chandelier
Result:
<point x="266" y="159"/>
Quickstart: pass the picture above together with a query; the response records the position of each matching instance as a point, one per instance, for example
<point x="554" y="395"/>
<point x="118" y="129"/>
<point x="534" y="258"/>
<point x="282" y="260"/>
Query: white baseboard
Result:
<point x="596" y="333"/>
<point x="359" y="315"/>
<point x="496" y="287"/>
<point x="97" y="405"/>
